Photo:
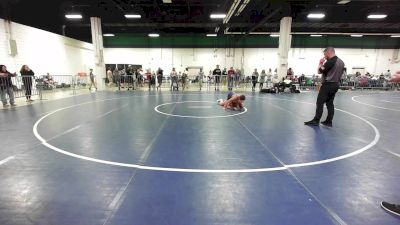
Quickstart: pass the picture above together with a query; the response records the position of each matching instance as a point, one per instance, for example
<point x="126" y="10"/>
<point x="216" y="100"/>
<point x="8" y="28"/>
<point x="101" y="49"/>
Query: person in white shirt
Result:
<point x="269" y="78"/>
<point x="109" y="76"/>
<point x="275" y="78"/>
<point x="174" y="78"/>
<point x="388" y="75"/>
<point x="201" y="76"/>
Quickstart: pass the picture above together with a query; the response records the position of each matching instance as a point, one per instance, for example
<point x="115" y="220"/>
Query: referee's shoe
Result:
<point x="392" y="208"/>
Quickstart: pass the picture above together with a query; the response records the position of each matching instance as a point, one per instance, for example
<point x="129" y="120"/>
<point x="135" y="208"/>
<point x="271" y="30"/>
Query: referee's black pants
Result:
<point x="326" y="95"/>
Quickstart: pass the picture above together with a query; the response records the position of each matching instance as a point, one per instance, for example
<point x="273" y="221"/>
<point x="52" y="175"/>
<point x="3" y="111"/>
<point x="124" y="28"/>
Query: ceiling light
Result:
<point x="376" y="16"/>
<point x="316" y="35"/>
<point x="342" y="2"/>
<point x="274" y="35"/>
<point x="108" y="35"/>
<point x="73" y="16"/>
<point x="211" y="35"/>
<point x="154" y="35"/>
<point x="316" y="15"/>
<point x="356" y="35"/>
<point x="395" y="36"/>
<point x="217" y="16"/>
<point x="167" y="1"/>
<point x="133" y="16"/>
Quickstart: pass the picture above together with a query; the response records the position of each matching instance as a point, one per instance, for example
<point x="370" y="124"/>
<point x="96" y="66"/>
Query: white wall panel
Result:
<point x="302" y="60"/>
<point x="44" y="51"/>
<point x="47" y="52"/>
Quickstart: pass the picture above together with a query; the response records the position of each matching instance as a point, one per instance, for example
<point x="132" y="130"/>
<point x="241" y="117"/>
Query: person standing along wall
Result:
<point x="237" y="77"/>
<point x="6" y="86"/>
<point x="231" y="74"/>
<point x="184" y="78"/>
<point x="269" y="78"/>
<point x="217" y="76"/>
<point x="92" y="83"/>
<point x="224" y="76"/>
<point x="201" y="76"/>
<point x="159" y="77"/>
<point x="254" y="78"/>
<point x="109" y="76"/>
<point x="290" y="74"/>
<point x="27" y="77"/>
<point x="174" y="79"/>
<point x="262" y="78"/>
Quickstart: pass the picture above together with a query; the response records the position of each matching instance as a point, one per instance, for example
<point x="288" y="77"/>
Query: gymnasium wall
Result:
<point x="43" y="51"/>
<point x="48" y="52"/>
<point x="302" y="60"/>
<point x="250" y="41"/>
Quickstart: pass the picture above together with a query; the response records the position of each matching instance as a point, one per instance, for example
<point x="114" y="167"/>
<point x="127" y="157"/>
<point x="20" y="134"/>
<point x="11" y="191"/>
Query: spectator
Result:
<point x="184" y="78"/>
<point x="295" y="80"/>
<point x="117" y="77"/>
<point x="122" y="77"/>
<point x="224" y="76"/>
<point x="109" y="76"/>
<point x="262" y="78"/>
<point x="289" y="74"/>
<point x="231" y="74"/>
<point x="275" y="78"/>
<point x="254" y="78"/>
<point x="140" y="76"/>
<point x="217" y="76"/>
<point x="129" y="78"/>
<point x="92" y="83"/>
<point x="174" y="78"/>
<point x="6" y="86"/>
<point x="388" y="75"/>
<point x="200" y="78"/>
<point x="149" y="77"/>
<point x="344" y="75"/>
<point x="27" y="75"/>
<point x="269" y="77"/>
<point x="159" y="77"/>
<point x="49" y="81"/>
<point x="237" y="77"/>
<point x="302" y="79"/>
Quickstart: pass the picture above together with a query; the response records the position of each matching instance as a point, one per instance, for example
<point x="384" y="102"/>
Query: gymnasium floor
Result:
<point x="153" y="158"/>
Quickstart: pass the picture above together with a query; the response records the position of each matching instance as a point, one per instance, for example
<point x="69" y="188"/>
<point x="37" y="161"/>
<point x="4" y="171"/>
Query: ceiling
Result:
<point x="193" y="16"/>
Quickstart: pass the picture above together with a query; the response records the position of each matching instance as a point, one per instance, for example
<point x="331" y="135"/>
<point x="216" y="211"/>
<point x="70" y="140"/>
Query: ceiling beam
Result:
<point x="268" y="26"/>
<point x="166" y="25"/>
<point x="263" y="21"/>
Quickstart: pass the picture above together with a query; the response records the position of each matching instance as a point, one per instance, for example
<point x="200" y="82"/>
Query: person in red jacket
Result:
<point x="149" y="77"/>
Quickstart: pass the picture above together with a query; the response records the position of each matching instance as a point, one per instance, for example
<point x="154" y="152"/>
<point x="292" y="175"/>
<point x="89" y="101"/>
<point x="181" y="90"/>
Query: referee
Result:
<point x="331" y="68"/>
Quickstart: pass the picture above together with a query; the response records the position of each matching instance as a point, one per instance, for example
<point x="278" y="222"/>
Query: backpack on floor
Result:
<point x="267" y="90"/>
